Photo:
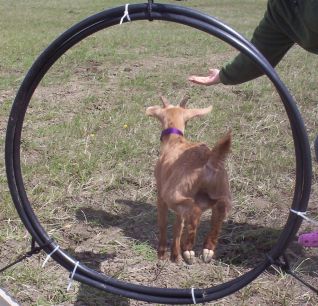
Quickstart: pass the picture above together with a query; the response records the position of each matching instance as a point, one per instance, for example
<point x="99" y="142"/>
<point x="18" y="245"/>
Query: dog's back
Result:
<point x="193" y="170"/>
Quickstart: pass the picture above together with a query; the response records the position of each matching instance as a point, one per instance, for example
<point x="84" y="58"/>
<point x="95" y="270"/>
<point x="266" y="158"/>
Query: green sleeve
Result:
<point x="270" y="41"/>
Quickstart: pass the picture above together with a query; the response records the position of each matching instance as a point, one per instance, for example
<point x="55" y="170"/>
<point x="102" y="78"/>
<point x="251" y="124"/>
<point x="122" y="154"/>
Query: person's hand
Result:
<point x="212" y="79"/>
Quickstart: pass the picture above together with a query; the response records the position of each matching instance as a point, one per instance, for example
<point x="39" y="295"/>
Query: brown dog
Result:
<point x="191" y="178"/>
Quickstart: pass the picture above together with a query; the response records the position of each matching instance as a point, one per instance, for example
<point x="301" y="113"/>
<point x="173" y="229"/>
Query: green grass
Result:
<point x="88" y="151"/>
<point x="145" y="250"/>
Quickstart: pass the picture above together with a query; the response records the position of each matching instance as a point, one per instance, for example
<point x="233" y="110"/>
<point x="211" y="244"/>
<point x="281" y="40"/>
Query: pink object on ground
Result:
<point x="309" y="240"/>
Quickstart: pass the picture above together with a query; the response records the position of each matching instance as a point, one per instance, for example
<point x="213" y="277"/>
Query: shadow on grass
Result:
<point x="240" y="244"/>
<point x="138" y="220"/>
<point x="135" y="224"/>
<point x="90" y="296"/>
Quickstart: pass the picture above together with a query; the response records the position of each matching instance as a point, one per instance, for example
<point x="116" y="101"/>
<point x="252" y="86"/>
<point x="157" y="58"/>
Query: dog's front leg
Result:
<point x="177" y="232"/>
<point x="162" y="211"/>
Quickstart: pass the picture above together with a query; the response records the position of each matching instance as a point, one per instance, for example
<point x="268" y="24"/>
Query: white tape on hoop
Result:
<point x="49" y="256"/>
<point x="193" y="296"/>
<point x="126" y="14"/>
<point x="72" y="276"/>
<point x="303" y="215"/>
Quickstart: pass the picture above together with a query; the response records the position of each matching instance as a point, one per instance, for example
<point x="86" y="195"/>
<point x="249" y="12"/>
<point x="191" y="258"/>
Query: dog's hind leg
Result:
<point x="219" y="212"/>
<point x="192" y="222"/>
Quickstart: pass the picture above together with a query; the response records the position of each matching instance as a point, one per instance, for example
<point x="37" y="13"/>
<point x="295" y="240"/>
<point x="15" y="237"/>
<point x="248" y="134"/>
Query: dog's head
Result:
<point x="172" y="116"/>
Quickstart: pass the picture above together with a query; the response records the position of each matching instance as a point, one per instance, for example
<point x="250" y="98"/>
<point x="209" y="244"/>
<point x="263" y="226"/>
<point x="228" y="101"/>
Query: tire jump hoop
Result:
<point x="202" y="22"/>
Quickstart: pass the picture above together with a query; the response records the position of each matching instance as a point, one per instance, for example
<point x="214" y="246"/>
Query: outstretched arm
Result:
<point x="268" y="39"/>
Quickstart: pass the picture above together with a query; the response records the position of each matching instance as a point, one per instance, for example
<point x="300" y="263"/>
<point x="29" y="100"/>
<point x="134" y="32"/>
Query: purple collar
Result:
<point x="169" y="131"/>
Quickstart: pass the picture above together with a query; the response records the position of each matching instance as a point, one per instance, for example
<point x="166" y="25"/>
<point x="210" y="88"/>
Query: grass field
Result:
<point x="88" y="153"/>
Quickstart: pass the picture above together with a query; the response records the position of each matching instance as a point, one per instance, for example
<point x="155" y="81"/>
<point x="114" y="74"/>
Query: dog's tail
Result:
<point x="221" y="150"/>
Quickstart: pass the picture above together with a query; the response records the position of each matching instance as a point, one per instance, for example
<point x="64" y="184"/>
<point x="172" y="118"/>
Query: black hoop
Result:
<point x="150" y="3"/>
<point x="200" y="21"/>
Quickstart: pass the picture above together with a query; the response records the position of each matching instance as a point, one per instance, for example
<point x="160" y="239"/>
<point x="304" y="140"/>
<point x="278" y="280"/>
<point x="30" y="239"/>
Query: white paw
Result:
<point x="207" y="255"/>
<point x="189" y="257"/>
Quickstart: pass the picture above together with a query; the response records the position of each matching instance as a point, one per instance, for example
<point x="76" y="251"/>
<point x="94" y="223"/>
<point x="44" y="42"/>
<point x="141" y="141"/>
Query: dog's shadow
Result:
<point x="240" y="244"/>
<point x="88" y="295"/>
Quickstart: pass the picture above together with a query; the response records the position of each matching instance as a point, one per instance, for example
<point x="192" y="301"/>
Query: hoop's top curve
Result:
<point x="188" y="17"/>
